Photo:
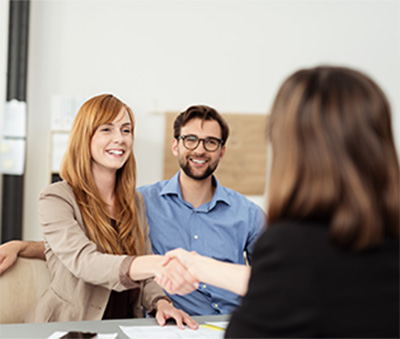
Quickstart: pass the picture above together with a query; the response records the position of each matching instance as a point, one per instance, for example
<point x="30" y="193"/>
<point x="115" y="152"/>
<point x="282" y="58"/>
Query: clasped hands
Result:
<point x="178" y="272"/>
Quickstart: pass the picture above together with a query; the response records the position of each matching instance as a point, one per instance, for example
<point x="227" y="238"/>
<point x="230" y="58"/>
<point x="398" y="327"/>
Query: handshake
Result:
<point x="180" y="271"/>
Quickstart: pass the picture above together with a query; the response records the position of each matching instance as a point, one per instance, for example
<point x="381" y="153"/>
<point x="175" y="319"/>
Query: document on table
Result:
<point x="207" y="331"/>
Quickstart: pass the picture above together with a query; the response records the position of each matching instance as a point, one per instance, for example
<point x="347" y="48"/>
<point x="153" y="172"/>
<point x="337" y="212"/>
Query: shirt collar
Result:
<point x="173" y="187"/>
<point x="220" y="193"/>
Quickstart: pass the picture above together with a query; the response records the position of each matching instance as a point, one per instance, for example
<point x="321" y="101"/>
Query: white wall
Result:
<point x="165" y="55"/>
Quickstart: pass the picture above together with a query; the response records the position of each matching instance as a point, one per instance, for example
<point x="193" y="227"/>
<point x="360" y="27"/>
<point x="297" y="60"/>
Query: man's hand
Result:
<point x="10" y="251"/>
<point x="166" y="311"/>
<point x="9" y="254"/>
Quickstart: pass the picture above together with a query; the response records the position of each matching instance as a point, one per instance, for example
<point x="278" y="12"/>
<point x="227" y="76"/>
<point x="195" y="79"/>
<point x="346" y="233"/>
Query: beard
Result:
<point x="184" y="163"/>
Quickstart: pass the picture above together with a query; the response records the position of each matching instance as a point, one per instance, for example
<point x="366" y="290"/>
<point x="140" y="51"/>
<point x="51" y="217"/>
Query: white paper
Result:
<point x="59" y="334"/>
<point x="12" y="156"/>
<point x="170" y="332"/>
<point x="14" y="120"/>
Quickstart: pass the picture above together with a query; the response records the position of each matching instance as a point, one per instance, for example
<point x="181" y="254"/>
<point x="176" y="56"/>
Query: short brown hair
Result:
<point x="334" y="156"/>
<point x="202" y="112"/>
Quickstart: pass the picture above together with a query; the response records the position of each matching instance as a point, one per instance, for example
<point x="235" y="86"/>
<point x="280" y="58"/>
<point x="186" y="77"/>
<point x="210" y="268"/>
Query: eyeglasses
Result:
<point x="191" y="142"/>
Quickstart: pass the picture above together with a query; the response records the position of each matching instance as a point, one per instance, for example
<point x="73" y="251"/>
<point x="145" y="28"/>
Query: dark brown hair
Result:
<point x="204" y="113"/>
<point x="334" y="156"/>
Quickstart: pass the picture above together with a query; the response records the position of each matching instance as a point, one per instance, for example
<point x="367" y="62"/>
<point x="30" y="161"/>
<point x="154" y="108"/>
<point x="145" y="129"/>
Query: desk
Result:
<point x="44" y="330"/>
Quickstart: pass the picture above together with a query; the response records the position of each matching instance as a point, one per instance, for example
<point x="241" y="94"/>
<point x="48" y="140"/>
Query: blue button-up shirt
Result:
<point x="223" y="228"/>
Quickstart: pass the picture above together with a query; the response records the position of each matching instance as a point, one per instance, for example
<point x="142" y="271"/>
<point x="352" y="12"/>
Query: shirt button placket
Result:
<point x="196" y="243"/>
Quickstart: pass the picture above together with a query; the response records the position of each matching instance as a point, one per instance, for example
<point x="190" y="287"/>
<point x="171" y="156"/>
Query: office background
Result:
<point x="162" y="56"/>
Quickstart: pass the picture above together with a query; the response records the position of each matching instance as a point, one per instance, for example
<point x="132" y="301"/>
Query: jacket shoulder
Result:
<point x="57" y="188"/>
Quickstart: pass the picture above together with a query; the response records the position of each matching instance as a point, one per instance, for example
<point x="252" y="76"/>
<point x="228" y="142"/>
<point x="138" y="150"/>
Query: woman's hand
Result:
<point x="186" y="258"/>
<point x="229" y="276"/>
<point x="148" y="266"/>
<point x="175" y="278"/>
<point x="167" y="311"/>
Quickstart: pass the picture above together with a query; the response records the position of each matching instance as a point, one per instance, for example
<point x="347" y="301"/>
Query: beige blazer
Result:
<point x="82" y="277"/>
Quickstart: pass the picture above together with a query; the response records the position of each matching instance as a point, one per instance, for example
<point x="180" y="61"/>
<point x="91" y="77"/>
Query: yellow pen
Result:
<point x="212" y="327"/>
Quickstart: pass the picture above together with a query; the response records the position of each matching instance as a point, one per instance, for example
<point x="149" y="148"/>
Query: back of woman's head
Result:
<point x="334" y="157"/>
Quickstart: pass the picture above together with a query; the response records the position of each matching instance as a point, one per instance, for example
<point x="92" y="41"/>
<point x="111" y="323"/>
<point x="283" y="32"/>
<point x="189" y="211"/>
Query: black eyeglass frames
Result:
<point x="191" y="142"/>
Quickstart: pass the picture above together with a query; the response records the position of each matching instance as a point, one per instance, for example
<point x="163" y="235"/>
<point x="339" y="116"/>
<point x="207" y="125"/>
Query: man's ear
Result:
<point x="174" y="148"/>
<point x="223" y="148"/>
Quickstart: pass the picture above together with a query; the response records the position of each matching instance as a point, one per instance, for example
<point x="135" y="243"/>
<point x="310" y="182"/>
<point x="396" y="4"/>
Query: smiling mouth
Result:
<point x="198" y="161"/>
<point x="116" y="152"/>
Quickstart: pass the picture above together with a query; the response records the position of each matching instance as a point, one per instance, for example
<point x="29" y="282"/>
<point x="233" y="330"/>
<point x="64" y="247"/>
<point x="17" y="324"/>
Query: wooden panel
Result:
<point x="243" y="167"/>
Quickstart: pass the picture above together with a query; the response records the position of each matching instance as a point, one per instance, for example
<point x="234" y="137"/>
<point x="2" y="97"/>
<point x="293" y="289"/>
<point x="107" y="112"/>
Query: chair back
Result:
<point x="20" y="288"/>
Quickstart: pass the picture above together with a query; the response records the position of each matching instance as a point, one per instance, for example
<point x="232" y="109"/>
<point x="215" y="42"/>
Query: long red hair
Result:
<point x="127" y="236"/>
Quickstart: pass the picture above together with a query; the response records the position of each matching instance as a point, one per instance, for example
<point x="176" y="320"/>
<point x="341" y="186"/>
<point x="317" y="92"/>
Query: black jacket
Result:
<point x="303" y="286"/>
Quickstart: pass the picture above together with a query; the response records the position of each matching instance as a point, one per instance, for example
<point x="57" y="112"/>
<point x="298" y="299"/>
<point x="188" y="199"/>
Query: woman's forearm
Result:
<point x="146" y="266"/>
<point x="232" y="277"/>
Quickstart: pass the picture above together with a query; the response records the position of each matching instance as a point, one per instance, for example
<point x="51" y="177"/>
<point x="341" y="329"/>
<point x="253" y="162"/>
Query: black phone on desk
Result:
<point x="79" y="335"/>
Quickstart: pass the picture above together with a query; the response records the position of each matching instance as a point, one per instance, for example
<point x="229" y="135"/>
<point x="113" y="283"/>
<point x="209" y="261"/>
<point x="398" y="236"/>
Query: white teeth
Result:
<point x="198" y="161"/>
<point x="115" y="152"/>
